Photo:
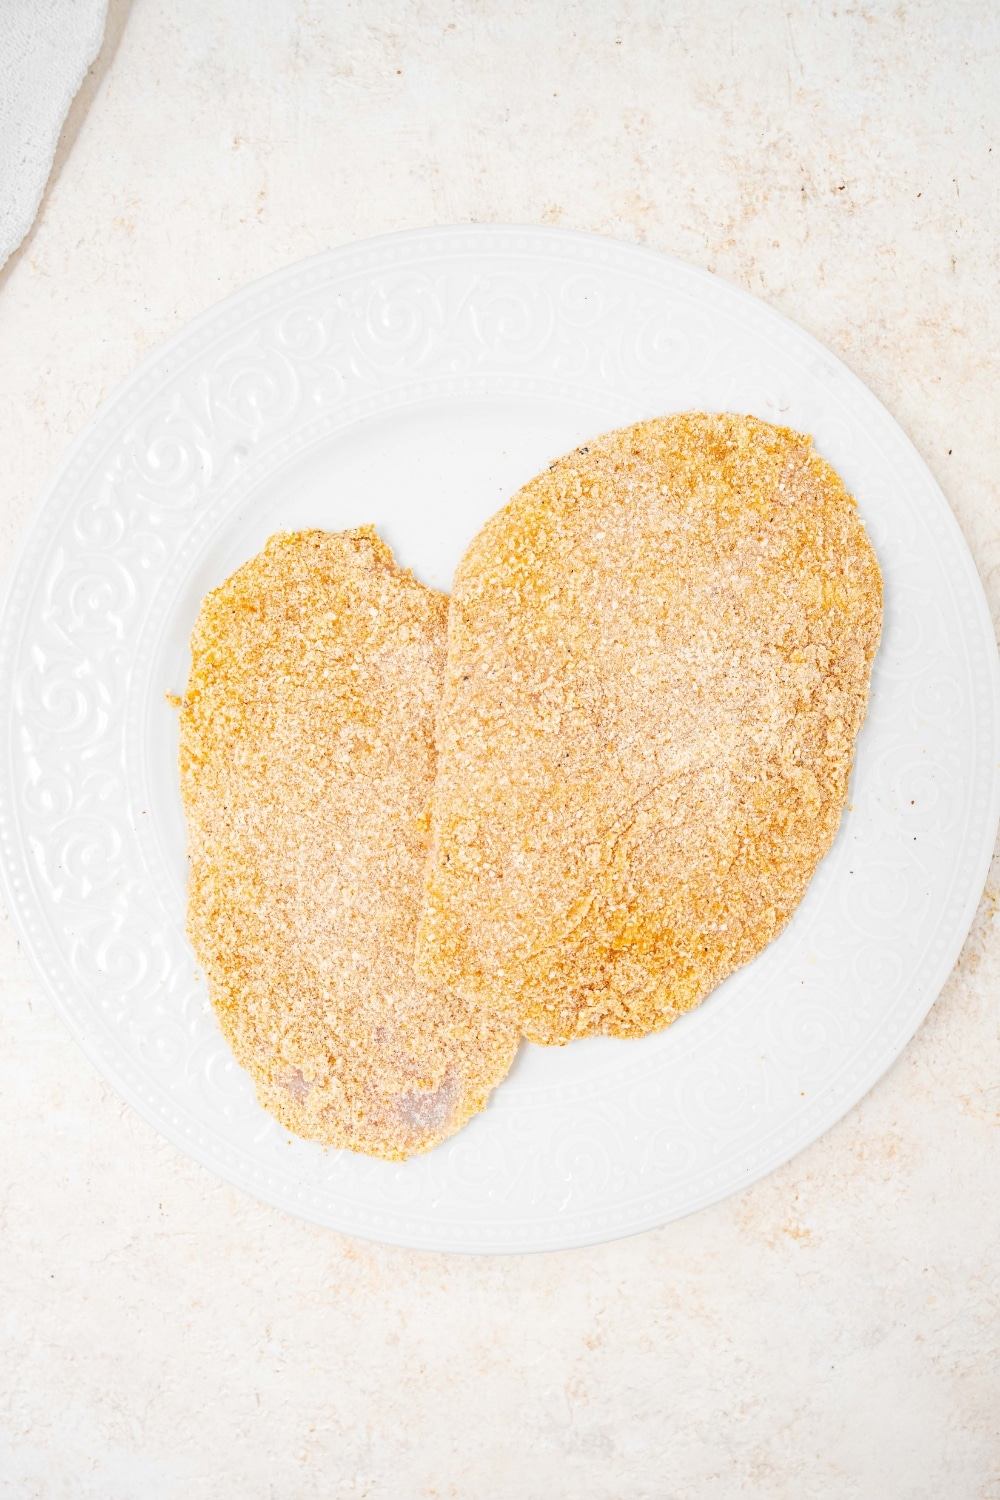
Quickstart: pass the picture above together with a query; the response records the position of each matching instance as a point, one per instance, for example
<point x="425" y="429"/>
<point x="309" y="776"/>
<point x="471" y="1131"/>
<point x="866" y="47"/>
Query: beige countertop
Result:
<point x="834" y="1331"/>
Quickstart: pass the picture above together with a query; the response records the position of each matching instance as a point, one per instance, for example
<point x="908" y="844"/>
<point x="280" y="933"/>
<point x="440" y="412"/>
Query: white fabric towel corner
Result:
<point x="46" y="47"/>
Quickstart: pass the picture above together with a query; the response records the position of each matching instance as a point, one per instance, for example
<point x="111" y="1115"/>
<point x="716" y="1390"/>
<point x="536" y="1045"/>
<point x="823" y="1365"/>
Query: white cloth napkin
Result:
<point x="46" y="47"/>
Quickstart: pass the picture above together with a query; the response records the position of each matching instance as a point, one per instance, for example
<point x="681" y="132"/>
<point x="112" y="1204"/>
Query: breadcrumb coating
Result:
<point x="307" y="758"/>
<point x="659" y="657"/>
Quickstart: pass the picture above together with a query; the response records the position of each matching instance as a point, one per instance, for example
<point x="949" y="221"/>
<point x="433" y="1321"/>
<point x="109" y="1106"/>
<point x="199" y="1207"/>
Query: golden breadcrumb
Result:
<point x="307" y="757"/>
<point x="658" y="661"/>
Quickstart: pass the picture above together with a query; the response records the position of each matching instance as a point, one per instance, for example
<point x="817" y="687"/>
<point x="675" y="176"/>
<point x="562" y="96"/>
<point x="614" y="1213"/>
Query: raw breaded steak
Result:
<point x="307" y="756"/>
<point x="658" y="662"/>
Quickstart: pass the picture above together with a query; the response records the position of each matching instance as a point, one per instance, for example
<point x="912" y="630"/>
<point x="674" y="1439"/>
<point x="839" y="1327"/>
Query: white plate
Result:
<point x="415" y="382"/>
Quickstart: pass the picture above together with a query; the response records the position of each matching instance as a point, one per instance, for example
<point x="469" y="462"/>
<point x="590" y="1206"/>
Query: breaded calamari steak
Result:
<point x="658" y="661"/>
<point x="307" y="757"/>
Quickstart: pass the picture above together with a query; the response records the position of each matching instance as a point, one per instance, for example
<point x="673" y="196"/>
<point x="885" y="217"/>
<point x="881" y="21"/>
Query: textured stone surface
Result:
<point x="835" y="1331"/>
